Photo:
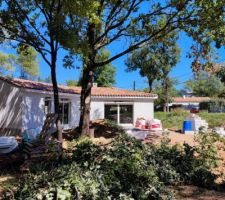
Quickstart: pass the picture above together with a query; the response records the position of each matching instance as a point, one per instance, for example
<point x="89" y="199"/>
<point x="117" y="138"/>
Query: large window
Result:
<point x="64" y="111"/>
<point x="121" y="114"/>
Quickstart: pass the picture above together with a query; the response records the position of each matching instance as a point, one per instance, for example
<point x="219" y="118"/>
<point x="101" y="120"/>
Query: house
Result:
<point x="24" y="104"/>
<point x="187" y="102"/>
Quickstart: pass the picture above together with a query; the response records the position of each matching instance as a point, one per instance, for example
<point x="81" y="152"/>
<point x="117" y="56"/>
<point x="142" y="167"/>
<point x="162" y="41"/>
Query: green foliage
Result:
<point x="206" y="85"/>
<point x="45" y="80"/>
<point x="213" y="104"/>
<point x="175" y="119"/>
<point x="7" y="63"/>
<point x="221" y="74"/>
<point x="105" y="75"/>
<point x="156" y="59"/>
<point x="127" y="169"/>
<point x="72" y="83"/>
<point x="163" y="96"/>
<point x="27" y="60"/>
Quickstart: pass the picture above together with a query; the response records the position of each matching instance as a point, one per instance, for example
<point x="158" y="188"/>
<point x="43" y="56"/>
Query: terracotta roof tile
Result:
<point x="190" y="99"/>
<point x="96" y="91"/>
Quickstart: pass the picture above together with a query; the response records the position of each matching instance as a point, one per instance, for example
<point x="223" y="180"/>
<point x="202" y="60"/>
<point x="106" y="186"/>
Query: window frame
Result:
<point x="118" y="104"/>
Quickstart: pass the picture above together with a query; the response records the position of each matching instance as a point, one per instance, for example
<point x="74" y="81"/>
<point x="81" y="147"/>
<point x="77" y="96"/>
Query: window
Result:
<point x="111" y="112"/>
<point x="126" y="114"/>
<point x="64" y="111"/>
<point x="121" y="114"/>
<point x="47" y="106"/>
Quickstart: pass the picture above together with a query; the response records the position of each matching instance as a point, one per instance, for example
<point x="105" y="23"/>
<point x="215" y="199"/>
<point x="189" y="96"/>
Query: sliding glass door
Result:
<point x="119" y="113"/>
<point x="126" y="114"/>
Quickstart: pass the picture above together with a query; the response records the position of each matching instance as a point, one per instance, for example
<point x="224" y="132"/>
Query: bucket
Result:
<point x="187" y="126"/>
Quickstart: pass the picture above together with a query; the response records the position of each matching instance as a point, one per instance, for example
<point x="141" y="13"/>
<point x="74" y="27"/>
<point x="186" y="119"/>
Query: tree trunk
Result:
<point x="166" y="108"/>
<point x="87" y="80"/>
<point x="150" y="85"/>
<point x="85" y="102"/>
<point x="56" y="98"/>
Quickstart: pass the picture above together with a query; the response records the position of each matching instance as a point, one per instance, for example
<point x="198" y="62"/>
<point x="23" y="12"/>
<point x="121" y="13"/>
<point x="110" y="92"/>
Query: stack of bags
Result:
<point x="152" y="125"/>
<point x="197" y="122"/>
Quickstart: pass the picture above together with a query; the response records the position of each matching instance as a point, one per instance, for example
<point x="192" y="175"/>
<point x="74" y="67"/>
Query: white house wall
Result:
<point x="141" y="107"/>
<point x="10" y="109"/>
<point x="75" y="112"/>
<point x="33" y="109"/>
<point x="97" y="109"/>
<point x="144" y="109"/>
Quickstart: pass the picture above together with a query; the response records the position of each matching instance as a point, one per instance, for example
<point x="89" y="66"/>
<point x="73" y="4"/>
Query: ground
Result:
<point x="196" y="193"/>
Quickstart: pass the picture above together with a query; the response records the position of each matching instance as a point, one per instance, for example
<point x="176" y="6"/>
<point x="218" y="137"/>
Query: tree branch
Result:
<point x="141" y="43"/>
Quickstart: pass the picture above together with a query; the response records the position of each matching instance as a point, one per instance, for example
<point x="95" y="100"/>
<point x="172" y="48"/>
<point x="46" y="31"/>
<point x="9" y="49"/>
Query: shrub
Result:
<point x="127" y="169"/>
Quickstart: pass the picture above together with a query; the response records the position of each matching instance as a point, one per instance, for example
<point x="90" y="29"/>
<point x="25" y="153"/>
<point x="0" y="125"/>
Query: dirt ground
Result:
<point x="196" y="193"/>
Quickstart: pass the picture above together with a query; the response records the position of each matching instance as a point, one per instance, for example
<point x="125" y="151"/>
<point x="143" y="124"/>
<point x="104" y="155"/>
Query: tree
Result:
<point x="7" y="63"/>
<point x="46" y="80"/>
<point x="125" y="22"/>
<point x="27" y="61"/>
<point x="72" y="83"/>
<point x="165" y="97"/>
<point x="207" y="33"/>
<point x="41" y="25"/>
<point x="105" y="76"/>
<point x="151" y="59"/>
<point x="221" y="74"/>
<point x="206" y="85"/>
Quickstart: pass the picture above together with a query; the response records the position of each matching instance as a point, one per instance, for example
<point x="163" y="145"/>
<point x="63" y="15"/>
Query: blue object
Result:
<point x="187" y="126"/>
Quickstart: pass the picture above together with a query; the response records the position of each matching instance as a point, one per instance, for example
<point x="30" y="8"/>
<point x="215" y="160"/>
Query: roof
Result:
<point x="96" y="91"/>
<point x="190" y="99"/>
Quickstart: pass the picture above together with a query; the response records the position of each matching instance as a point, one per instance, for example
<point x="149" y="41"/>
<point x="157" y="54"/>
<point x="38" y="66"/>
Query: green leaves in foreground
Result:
<point x="127" y="169"/>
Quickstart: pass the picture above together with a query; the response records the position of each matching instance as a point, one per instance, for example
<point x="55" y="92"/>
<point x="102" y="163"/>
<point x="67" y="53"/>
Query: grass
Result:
<point x="175" y="119"/>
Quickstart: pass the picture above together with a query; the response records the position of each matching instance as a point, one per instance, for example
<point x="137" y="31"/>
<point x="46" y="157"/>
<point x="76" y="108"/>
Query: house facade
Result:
<point x="25" y="103"/>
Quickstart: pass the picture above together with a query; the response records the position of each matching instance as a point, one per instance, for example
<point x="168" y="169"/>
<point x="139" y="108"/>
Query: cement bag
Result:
<point x="155" y="125"/>
<point x="140" y="123"/>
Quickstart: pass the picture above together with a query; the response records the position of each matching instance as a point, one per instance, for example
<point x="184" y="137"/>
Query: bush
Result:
<point x="127" y="169"/>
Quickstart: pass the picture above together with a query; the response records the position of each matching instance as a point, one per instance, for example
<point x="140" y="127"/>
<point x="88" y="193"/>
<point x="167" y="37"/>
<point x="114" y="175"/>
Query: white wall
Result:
<point x="97" y="109"/>
<point x="33" y="109"/>
<point x="144" y="109"/>
<point x="10" y="109"/>
<point x="141" y="107"/>
<point x="74" y="112"/>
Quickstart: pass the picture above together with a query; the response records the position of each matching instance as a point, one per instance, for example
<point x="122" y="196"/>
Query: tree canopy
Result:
<point x="105" y="76"/>
<point x="27" y="61"/>
<point x="155" y="60"/>
<point x="72" y="83"/>
<point x="7" y="63"/>
<point x="206" y="85"/>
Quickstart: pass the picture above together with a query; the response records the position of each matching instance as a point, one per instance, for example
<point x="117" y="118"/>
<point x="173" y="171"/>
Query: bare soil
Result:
<point x="196" y="193"/>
